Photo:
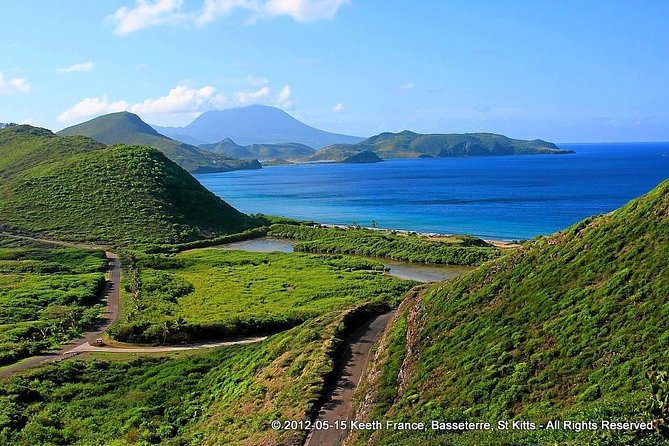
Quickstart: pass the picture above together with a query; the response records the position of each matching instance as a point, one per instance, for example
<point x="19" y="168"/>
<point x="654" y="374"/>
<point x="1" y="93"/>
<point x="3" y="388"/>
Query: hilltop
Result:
<point x="128" y="128"/>
<point x="255" y="124"/>
<point x="289" y="150"/>
<point x="567" y="327"/>
<point x="76" y="188"/>
<point x="362" y="158"/>
<point x="408" y="144"/>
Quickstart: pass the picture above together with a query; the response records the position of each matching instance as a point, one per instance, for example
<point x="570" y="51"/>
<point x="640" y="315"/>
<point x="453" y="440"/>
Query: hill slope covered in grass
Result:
<point x="128" y="128"/>
<point x="567" y="327"/>
<point x="75" y="188"/>
<point x="408" y="144"/>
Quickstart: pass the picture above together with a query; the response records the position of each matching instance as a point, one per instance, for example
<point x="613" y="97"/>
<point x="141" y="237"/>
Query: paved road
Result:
<point x="338" y="405"/>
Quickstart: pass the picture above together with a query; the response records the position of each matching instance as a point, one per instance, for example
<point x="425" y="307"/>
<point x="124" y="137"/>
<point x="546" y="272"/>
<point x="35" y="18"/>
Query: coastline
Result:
<point x="499" y="243"/>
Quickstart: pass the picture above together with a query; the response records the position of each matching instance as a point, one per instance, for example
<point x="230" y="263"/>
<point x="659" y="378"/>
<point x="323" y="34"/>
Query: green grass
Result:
<point x="75" y="189"/>
<point x="47" y="296"/>
<point x="454" y="250"/>
<point x="208" y="293"/>
<point x="223" y="397"/>
<point x="567" y="327"/>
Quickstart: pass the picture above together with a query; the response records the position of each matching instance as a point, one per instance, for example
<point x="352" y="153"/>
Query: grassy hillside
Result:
<point x="228" y="396"/>
<point x="289" y="150"/>
<point x="454" y="250"/>
<point x="214" y="293"/>
<point x="75" y="188"/>
<point x="408" y="144"/>
<point x="567" y="327"/>
<point x="128" y="128"/>
<point x="48" y="295"/>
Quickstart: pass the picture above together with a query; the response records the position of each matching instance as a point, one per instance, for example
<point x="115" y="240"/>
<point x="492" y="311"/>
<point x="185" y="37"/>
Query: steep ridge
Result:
<point x="567" y="327"/>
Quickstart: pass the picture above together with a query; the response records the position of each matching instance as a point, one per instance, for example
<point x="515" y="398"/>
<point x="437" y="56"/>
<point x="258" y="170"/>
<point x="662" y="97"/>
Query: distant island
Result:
<point x="254" y="124"/>
<point x="408" y="144"/>
<point x="273" y="137"/>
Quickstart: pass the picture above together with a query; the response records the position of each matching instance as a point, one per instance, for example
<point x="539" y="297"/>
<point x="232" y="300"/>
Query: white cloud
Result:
<point x="147" y="13"/>
<point x="338" y="107"/>
<point x="304" y="10"/>
<point x="16" y="85"/>
<point x="247" y="97"/>
<point x="213" y="9"/>
<point x="77" y="67"/>
<point x="89" y="107"/>
<point x="407" y="86"/>
<point x="182" y="99"/>
<point x="283" y="98"/>
<point x="180" y="102"/>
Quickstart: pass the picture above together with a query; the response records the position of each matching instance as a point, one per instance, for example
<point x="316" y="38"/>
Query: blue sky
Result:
<point x="568" y="71"/>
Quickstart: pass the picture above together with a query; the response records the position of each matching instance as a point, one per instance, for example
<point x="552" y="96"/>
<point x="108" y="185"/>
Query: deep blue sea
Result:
<point x="506" y="197"/>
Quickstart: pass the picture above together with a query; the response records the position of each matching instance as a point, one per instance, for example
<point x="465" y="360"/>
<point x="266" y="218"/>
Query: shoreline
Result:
<point x="499" y="243"/>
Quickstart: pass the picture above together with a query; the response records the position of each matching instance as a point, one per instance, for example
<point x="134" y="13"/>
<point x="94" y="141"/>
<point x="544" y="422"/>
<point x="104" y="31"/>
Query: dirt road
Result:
<point x="338" y="405"/>
<point x="112" y="297"/>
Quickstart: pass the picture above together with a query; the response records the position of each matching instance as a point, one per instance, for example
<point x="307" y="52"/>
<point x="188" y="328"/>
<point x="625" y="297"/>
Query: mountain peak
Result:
<point x="254" y="124"/>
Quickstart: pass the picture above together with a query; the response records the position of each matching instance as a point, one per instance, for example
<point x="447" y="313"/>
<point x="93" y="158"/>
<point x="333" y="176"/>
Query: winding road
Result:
<point x="112" y="298"/>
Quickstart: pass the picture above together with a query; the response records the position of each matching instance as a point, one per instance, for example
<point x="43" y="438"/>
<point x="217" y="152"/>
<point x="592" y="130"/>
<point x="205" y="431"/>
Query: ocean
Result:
<point x="505" y="197"/>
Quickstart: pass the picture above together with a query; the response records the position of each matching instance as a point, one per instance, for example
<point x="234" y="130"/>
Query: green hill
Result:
<point x="362" y="158"/>
<point x="289" y="150"/>
<point x="408" y="144"/>
<point x="128" y="128"/>
<point x="76" y="188"/>
<point x="565" y="328"/>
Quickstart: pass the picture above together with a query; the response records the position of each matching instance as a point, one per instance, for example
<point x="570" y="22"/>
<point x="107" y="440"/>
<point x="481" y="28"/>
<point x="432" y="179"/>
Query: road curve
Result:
<point x="112" y="297"/>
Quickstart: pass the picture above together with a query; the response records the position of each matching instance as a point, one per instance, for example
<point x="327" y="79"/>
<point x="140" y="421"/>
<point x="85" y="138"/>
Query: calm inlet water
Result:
<point x="403" y="270"/>
<point x="511" y="197"/>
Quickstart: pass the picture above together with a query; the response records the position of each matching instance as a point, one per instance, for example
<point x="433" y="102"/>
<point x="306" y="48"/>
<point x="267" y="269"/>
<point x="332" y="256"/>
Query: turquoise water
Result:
<point x="510" y="197"/>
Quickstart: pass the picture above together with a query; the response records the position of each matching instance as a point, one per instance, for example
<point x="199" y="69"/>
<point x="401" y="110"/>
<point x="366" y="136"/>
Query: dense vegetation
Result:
<point x="453" y="250"/>
<point x="128" y="128"/>
<point x="408" y="144"/>
<point x="47" y="295"/>
<point x="289" y="150"/>
<point x="77" y="189"/>
<point x="567" y="327"/>
<point x="209" y="293"/>
<point x="227" y="396"/>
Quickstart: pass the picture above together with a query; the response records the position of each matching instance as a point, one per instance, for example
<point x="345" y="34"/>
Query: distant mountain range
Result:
<point x="255" y="124"/>
<point x="289" y="150"/>
<point x="408" y="144"/>
<point x="128" y="128"/>
<point x="6" y="124"/>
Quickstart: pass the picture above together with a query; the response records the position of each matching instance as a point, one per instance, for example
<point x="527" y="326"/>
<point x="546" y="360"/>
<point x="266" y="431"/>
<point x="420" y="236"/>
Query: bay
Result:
<point x="505" y="197"/>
